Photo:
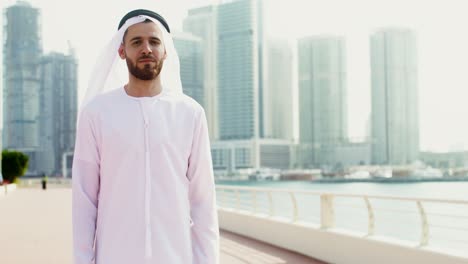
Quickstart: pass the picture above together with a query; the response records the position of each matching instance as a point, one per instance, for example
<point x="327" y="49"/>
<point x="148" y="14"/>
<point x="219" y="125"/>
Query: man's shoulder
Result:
<point x="96" y="103"/>
<point x="187" y="102"/>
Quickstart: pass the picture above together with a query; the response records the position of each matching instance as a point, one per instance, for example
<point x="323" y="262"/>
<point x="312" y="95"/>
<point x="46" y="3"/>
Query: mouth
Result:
<point x="146" y="60"/>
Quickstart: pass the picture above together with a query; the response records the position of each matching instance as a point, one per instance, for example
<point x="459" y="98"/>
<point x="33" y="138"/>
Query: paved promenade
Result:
<point x="35" y="228"/>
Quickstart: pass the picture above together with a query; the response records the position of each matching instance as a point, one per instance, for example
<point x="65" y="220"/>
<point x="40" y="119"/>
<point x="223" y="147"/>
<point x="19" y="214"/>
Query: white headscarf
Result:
<point x="110" y="72"/>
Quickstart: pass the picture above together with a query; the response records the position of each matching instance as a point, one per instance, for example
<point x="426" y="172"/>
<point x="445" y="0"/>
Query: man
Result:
<point x="143" y="188"/>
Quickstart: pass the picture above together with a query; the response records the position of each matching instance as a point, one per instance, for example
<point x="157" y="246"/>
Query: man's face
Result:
<point x="143" y="50"/>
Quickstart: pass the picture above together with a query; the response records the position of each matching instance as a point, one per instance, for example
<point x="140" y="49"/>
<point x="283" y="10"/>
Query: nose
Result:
<point x="146" y="48"/>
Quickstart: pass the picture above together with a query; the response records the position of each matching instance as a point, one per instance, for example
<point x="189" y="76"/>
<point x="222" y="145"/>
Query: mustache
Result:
<point x="145" y="57"/>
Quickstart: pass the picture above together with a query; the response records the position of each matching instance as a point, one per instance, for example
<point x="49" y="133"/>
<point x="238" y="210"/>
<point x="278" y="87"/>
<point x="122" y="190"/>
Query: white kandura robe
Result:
<point x="143" y="187"/>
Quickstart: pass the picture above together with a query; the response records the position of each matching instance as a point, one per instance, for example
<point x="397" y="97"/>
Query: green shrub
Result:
<point x="14" y="165"/>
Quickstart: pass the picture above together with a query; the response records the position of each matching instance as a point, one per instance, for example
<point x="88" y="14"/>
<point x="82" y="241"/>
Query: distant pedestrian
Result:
<point x="44" y="181"/>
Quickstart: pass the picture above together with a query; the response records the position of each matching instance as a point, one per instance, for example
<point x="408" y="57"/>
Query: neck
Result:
<point x="141" y="88"/>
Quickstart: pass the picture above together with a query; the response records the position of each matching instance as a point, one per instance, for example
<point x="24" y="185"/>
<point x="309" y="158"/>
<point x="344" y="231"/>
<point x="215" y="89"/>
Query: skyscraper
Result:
<point x="22" y="50"/>
<point x="239" y="70"/>
<point x="246" y="130"/>
<point x="322" y="99"/>
<point x="395" y="122"/>
<point x="189" y="49"/>
<point x="278" y="90"/>
<point x="58" y="104"/>
<point x="202" y="22"/>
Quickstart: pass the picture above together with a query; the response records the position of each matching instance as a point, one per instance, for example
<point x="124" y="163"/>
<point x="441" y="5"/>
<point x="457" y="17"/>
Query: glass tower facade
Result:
<point x="322" y="99"/>
<point x="395" y="121"/>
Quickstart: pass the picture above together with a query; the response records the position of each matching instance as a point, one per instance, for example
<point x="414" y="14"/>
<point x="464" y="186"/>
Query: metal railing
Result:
<point x="411" y="219"/>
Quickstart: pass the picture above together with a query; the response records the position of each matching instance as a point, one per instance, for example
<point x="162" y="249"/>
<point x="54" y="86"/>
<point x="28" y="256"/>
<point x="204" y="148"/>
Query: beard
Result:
<point x="148" y="72"/>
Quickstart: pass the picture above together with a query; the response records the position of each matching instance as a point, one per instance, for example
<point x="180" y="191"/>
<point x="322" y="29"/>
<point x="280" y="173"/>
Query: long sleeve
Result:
<point x="203" y="211"/>
<point x="85" y="189"/>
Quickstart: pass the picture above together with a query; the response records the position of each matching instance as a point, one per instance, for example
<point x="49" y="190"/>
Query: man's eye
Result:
<point x="136" y="42"/>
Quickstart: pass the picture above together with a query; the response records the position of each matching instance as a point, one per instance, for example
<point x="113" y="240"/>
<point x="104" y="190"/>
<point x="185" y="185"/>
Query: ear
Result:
<point x="165" y="54"/>
<point x="122" y="52"/>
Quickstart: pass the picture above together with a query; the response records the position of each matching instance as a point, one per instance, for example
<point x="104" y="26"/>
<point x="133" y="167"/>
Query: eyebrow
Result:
<point x="138" y="38"/>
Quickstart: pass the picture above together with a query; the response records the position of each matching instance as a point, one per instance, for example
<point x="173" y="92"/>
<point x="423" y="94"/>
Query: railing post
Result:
<point x="270" y="201"/>
<point x="219" y="197"/>
<point x="225" y="198"/>
<point x="371" y="218"/>
<point x="295" y="210"/>
<point x="327" y="213"/>
<point x="424" y="225"/>
<point x="254" y="201"/>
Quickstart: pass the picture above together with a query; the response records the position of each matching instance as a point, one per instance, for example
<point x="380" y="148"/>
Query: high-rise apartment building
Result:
<point x="248" y="131"/>
<point x="202" y="22"/>
<point x="322" y="99"/>
<point x="239" y="70"/>
<point x="22" y="49"/>
<point x="278" y="91"/>
<point x="59" y="107"/>
<point x="395" y="122"/>
<point x="189" y="49"/>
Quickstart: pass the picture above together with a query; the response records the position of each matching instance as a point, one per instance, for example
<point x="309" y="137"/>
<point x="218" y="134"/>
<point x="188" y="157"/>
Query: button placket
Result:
<point x="148" y="242"/>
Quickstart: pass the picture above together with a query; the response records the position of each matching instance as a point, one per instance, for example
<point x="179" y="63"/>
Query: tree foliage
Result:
<point x="14" y="165"/>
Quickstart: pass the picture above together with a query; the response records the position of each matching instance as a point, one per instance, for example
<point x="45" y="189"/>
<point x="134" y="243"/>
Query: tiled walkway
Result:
<point x="35" y="227"/>
<point x="237" y="249"/>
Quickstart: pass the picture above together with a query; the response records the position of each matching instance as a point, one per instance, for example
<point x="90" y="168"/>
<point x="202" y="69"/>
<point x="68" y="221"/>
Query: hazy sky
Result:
<point x="441" y="26"/>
